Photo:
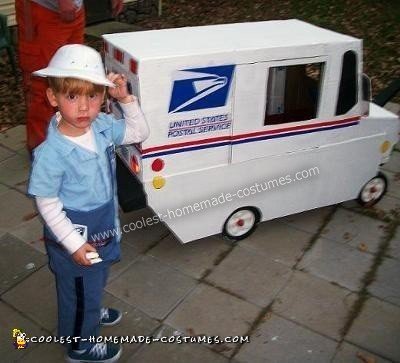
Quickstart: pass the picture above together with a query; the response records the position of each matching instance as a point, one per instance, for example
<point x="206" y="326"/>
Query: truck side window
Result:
<point x="293" y="93"/>
<point x="348" y="83"/>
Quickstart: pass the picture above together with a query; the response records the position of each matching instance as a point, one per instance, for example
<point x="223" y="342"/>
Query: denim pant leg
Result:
<point x="79" y="296"/>
<point x="79" y="304"/>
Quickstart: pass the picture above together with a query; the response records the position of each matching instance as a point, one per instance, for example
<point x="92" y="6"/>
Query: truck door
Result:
<point x="276" y="103"/>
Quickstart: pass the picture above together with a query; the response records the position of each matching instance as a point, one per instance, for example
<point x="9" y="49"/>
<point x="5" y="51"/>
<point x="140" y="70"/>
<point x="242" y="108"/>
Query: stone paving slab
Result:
<point x="212" y="312"/>
<point x="348" y="353"/>
<point x="14" y="170"/>
<point x="17" y="261"/>
<point x="16" y="208"/>
<point x="387" y="282"/>
<point x="5" y="153"/>
<point x="393" y="183"/>
<point x="151" y="286"/>
<point x="31" y="232"/>
<point x="14" y="138"/>
<point x="393" y="164"/>
<point x="278" y="242"/>
<point x="309" y="221"/>
<point x="128" y="256"/>
<point x="377" y="329"/>
<point x="22" y="187"/>
<point x="175" y="353"/>
<point x="36" y="298"/>
<point x="355" y="230"/>
<point x="337" y="263"/>
<point x="250" y="275"/>
<point x="11" y="319"/>
<point x="394" y="246"/>
<point x="24" y="152"/>
<point x="45" y="353"/>
<point x="383" y="209"/>
<point x="315" y="303"/>
<point x="142" y="236"/>
<point x="3" y="188"/>
<point x="134" y="322"/>
<point x="194" y="258"/>
<point x="387" y="205"/>
<point x="280" y="340"/>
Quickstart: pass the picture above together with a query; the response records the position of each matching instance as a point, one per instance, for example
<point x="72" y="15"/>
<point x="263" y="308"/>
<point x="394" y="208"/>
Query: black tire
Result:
<point x="373" y="191"/>
<point x="241" y="223"/>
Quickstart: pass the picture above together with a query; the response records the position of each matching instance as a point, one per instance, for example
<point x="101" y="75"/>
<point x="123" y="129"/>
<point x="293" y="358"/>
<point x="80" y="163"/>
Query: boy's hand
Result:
<point x="79" y="256"/>
<point x="120" y="92"/>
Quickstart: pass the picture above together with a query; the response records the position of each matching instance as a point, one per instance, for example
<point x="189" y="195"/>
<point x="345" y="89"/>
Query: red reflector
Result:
<point x="118" y="55"/>
<point x="106" y="49"/>
<point x="133" y="66"/>
<point x="134" y="164"/>
<point x="157" y="165"/>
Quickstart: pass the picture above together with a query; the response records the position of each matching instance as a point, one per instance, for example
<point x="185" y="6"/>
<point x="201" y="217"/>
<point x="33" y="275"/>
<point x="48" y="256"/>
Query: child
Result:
<point x="73" y="182"/>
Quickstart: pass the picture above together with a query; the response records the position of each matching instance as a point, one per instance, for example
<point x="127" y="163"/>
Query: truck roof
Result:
<point x="222" y="38"/>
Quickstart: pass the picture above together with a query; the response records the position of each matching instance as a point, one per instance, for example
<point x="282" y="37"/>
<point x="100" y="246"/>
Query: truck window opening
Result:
<point x="293" y="93"/>
<point x="348" y="83"/>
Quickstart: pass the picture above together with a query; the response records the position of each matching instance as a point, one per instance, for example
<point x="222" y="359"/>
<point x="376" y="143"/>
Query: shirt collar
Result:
<point x="65" y="146"/>
<point x="102" y="124"/>
<point x="62" y="144"/>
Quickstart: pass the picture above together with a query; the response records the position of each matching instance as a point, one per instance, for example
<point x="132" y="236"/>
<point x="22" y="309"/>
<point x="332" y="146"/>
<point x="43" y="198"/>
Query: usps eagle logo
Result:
<point x="200" y="88"/>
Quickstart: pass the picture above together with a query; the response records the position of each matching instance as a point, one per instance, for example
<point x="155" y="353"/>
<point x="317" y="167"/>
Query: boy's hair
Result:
<point x="74" y="85"/>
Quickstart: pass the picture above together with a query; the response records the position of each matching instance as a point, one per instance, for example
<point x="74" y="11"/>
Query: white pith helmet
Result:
<point x="76" y="61"/>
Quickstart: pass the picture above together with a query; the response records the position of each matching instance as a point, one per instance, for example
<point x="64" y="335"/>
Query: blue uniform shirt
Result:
<point x="79" y="177"/>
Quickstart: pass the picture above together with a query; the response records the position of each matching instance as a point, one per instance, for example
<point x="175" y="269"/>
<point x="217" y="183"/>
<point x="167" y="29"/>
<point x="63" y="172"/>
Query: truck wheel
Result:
<point x="373" y="191"/>
<point x="241" y="223"/>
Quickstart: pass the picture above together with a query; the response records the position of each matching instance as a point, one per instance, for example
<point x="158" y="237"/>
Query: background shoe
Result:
<point x="109" y="316"/>
<point x="100" y="352"/>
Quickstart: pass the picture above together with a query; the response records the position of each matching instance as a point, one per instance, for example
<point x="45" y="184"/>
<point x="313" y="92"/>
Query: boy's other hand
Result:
<point x="79" y="256"/>
<point x="120" y="92"/>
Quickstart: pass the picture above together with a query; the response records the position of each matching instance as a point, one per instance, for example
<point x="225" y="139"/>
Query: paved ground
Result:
<point x="320" y="286"/>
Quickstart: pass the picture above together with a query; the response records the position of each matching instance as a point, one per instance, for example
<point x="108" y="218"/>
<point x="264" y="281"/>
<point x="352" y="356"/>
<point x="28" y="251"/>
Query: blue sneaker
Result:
<point x="100" y="352"/>
<point x="109" y="316"/>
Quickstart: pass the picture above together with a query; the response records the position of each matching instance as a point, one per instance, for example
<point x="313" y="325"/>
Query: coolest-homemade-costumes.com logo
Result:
<point x="19" y="339"/>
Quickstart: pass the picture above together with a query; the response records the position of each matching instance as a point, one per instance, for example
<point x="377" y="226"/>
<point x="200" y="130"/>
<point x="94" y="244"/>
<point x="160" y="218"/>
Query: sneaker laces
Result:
<point x="99" y="350"/>
<point x="104" y="313"/>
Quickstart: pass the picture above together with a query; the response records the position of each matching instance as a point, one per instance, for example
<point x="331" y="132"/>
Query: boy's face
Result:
<point x="77" y="110"/>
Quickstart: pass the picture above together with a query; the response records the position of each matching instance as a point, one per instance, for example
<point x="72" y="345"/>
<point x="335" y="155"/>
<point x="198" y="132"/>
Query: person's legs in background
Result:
<point x="40" y="33"/>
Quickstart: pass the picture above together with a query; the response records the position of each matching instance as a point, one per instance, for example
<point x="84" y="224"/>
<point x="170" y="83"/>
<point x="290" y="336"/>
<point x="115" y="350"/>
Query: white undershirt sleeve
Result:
<point x="136" y="129"/>
<point x="51" y="210"/>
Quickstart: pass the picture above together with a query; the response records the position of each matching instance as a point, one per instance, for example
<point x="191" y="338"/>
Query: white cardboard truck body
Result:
<point x="231" y="130"/>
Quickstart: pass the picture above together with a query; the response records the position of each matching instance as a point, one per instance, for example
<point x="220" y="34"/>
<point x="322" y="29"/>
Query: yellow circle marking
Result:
<point x="158" y="182"/>
<point x="385" y="146"/>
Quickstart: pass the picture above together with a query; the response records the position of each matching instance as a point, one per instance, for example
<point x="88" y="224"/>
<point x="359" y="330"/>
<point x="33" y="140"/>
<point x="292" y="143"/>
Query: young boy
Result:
<point x="73" y="182"/>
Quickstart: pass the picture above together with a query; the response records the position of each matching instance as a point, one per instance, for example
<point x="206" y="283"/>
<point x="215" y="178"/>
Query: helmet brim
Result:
<point x="71" y="73"/>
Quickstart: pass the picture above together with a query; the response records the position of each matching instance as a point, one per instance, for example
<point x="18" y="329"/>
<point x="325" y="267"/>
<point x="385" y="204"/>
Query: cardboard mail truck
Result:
<point x="250" y="122"/>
